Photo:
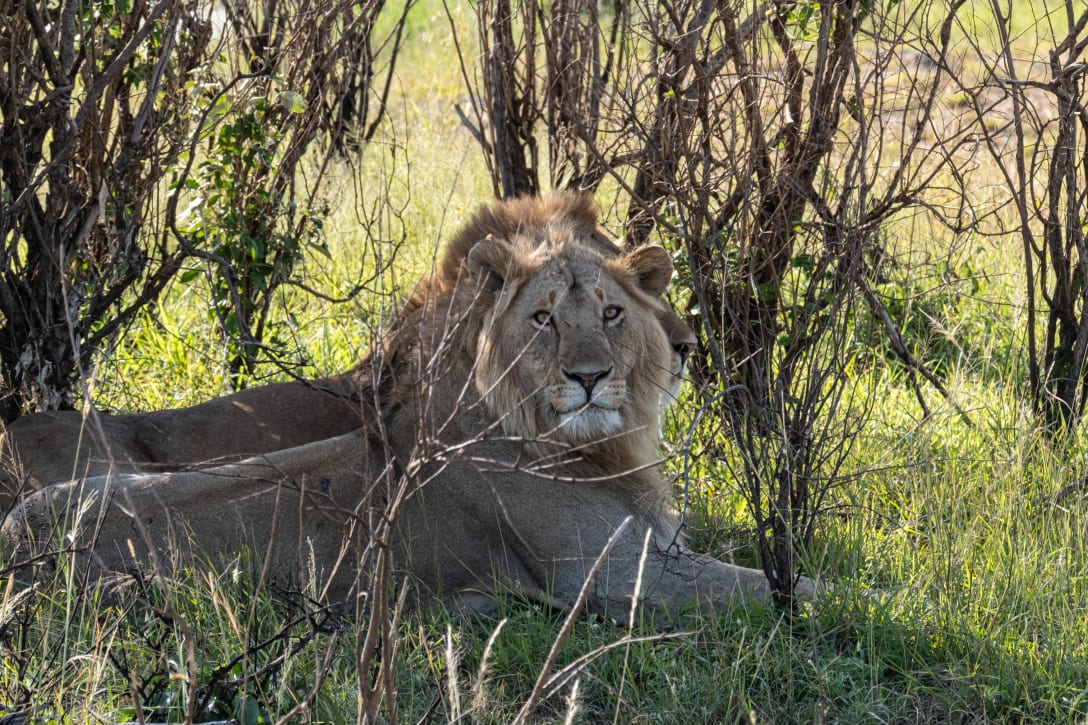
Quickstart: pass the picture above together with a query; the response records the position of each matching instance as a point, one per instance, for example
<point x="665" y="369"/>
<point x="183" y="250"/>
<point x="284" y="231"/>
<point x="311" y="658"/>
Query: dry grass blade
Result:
<point x="478" y="694"/>
<point x="560" y="639"/>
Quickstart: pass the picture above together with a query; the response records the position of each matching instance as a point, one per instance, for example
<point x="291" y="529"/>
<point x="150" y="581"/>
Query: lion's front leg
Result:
<point x="672" y="580"/>
<point x="598" y="539"/>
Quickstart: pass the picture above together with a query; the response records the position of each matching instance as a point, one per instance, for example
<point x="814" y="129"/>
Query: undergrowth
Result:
<point x="958" y="542"/>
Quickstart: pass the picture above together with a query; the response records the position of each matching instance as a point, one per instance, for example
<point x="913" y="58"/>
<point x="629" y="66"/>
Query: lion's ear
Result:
<point x="652" y="267"/>
<point x="490" y="262"/>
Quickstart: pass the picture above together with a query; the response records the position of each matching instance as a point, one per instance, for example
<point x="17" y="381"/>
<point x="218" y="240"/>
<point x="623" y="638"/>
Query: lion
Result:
<point x="510" y="444"/>
<point x="55" y="446"/>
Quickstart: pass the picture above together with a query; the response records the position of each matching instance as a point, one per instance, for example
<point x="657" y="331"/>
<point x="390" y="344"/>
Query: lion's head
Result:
<point x="572" y="216"/>
<point x="682" y="341"/>
<point x="570" y="348"/>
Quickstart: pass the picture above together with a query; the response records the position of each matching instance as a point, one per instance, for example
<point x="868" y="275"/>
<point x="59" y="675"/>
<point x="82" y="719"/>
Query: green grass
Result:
<point x="960" y="549"/>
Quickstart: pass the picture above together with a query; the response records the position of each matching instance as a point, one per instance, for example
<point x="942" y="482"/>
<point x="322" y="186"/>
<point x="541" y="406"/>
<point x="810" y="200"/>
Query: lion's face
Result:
<point x="682" y="342"/>
<point x="572" y="350"/>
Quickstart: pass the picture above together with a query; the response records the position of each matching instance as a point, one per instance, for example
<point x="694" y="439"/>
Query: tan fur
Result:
<point x="45" y="448"/>
<point x="476" y="466"/>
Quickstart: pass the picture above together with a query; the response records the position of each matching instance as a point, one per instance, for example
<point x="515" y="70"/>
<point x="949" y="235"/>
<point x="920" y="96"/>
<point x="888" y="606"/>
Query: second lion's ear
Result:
<point x="652" y="267"/>
<point x="490" y="264"/>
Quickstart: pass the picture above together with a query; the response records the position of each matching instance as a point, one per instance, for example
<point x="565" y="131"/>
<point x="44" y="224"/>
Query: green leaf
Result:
<point x="219" y="110"/>
<point x="247" y="710"/>
<point x="803" y="261"/>
<point x="292" y="102"/>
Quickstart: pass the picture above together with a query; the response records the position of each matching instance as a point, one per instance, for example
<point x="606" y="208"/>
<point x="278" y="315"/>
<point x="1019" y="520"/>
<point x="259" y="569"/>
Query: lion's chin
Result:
<point x="591" y="423"/>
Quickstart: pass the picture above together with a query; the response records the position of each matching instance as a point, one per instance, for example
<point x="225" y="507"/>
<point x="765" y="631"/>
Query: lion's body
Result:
<point x="49" y="447"/>
<point x="513" y="431"/>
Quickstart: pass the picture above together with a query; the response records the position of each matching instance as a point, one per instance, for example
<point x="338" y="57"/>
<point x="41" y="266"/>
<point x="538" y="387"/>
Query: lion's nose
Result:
<point x="587" y="380"/>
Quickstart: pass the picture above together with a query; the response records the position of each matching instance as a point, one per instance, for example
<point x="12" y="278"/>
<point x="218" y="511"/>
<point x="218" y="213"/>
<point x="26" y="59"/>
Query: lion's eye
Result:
<point x="612" y="313"/>
<point x="542" y="318"/>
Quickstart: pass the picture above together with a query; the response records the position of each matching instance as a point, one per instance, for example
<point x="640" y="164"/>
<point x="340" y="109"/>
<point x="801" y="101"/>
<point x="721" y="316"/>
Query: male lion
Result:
<point x="510" y="441"/>
<point x="51" y="447"/>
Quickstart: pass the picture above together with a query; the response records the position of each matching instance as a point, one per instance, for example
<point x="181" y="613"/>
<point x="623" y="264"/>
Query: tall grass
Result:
<point x="960" y="547"/>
